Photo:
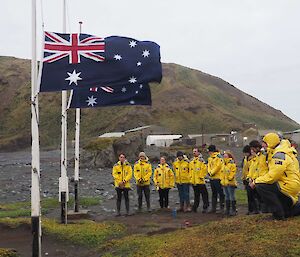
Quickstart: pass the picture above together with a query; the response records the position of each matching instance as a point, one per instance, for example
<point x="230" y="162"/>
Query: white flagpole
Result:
<point x="63" y="180"/>
<point x="77" y="137"/>
<point x="35" y="149"/>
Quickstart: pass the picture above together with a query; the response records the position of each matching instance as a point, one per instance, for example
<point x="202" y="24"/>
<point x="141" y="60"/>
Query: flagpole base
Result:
<point x="76" y="209"/>
<point x="36" y="237"/>
<point x="63" y="206"/>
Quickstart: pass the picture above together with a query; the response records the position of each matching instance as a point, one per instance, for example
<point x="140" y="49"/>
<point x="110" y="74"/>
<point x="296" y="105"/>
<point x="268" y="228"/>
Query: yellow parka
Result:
<point x="258" y="166"/>
<point x="253" y="169"/>
<point x="262" y="159"/>
<point x="181" y="170"/>
<point x="229" y="173"/>
<point x="282" y="170"/>
<point x="198" y="171"/>
<point x="163" y="176"/>
<point x="215" y="165"/>
<point x="245" y="171"/>
<point x="142" y="172"/>
<point x="122" y="173"/>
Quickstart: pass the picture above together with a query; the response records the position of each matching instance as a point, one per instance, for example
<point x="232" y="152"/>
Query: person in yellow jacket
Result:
<point x="182" y="178"/>
<point x="215" y="169"/>
<point x="198" y="171"/>
<point x="228" y="181"/>
<point x="142" y="174"/>
<point x="122" y="174"/>
<point x="246" y="166"/>
<point x="280" y="186"/>
<point x="257" y="166"/>
<point x="164" y="180"/>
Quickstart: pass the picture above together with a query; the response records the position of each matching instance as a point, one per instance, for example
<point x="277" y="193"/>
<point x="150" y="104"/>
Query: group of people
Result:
<point x="271" y="177"/>
<point x="270" y="174"/>
<point x="184" y="173"/>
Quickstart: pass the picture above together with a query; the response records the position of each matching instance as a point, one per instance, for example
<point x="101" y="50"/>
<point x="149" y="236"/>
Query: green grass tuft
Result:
<point x="22" y="209"/>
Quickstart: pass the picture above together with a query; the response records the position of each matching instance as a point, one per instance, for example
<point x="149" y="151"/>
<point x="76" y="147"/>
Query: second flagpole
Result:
<point x="77" y="155"/>
<point x="63" y="180"/>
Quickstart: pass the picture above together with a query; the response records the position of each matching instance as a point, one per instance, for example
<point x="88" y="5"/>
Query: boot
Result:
<point x="127" y="207"/>
<point x="213" y="206"/>
<point x="222" y="201"/>
<point x="181" y="208"/>
<point x="185" y="208"/>
<point x="118" y="208"/>
<point x="227" y="202"/>
<point x="233" y="210"/>
<point x="148" y="205"/>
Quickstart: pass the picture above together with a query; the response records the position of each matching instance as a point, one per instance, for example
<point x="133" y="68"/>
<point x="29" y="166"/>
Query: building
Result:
<point x="162" y="140"/>
<point x="293" y="135"/>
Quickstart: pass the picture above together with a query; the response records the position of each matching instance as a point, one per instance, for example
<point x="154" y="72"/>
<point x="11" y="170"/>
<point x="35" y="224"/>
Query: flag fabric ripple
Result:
<point x="76" y="61"/>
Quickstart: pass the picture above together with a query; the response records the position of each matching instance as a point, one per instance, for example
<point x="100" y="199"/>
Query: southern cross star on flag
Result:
<point x="77" y="61"/>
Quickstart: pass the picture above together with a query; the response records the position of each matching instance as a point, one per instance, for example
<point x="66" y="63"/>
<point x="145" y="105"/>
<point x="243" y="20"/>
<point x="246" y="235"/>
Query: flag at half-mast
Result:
<point x="75" y="61"/>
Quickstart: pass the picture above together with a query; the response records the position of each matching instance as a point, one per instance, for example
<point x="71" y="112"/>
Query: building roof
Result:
<point x="113" y="134"/>
<point x="157" y="137"/>
<point x="292" y="132"/>
<point x="137" y="129"/>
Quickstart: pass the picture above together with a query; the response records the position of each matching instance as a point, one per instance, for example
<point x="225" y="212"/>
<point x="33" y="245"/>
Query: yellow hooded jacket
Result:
<point x="229" y="173"/>
<point x="163" y="176"/>
<point x="181" y="170"/>
<point x="122" y="173"/>
<point x="215" y="165"/>
<point x="198" y="171"/>
<point x="282" y="169"/>
<point x="245" y="170"/>
<point x="258" y="166"/>
<point x="253" y="169"/>
<point x="142" y="172"/>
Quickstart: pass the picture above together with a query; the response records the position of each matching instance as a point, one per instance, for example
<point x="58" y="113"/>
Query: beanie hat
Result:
<point x="179" y="153"/>
<point x="142" y="154"/>
<point x="212" y="148"/>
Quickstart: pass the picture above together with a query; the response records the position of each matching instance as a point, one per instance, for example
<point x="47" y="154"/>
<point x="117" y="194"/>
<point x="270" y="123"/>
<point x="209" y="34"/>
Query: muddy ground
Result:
<point x="15" y="181"/>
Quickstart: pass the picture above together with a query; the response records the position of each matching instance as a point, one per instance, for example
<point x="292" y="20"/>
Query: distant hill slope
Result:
<point x="184" y="101"/>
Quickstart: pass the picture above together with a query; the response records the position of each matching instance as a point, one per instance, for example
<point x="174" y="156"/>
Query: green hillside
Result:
<point x="184" y="101"/>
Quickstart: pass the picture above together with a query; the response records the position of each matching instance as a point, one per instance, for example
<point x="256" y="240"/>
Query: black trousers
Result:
<point x="120" y="192"/>
<point x="146" y="190"/>
<point x="217" y="189"/>
<point x="253" y="199"/>
<point x="200" y="189"/>
<point x="163" y="197"/>
<point x="280" y="205"/>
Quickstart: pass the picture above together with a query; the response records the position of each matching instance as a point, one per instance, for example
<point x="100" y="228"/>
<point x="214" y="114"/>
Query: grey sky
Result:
<point x="253" y="44"/>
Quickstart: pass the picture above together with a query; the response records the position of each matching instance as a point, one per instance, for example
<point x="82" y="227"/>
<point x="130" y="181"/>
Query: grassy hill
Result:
<point x="184" y="101"/>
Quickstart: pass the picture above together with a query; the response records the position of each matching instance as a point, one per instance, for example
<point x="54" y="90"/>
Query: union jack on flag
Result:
<point x="56" y="47"/>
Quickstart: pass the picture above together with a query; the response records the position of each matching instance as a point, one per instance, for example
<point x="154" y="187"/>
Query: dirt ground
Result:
<point x="15" y="178"/>
<point x="156" y="222"/>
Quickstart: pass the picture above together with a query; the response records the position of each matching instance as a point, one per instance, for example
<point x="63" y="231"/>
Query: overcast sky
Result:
<point x="252" y="44"/>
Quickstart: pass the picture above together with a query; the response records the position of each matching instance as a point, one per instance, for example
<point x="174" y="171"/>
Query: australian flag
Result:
<point x="82" y="61"/>
<point x="138" y="94"/>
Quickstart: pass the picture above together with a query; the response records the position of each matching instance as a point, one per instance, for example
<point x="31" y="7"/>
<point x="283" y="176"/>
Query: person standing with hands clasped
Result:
<point x="182" y="177"/>
<point x="142" y="175"/>
<point x="198" y="171"/>
<point x="122" y="174"/>
<point x="215" y="168"/>
<point x="229" y="183"/>
<point x="164" y="180"/>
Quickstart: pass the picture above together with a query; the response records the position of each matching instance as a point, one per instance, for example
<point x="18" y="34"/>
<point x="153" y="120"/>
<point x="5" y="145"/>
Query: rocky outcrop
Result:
<point x="105" y="156"/>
